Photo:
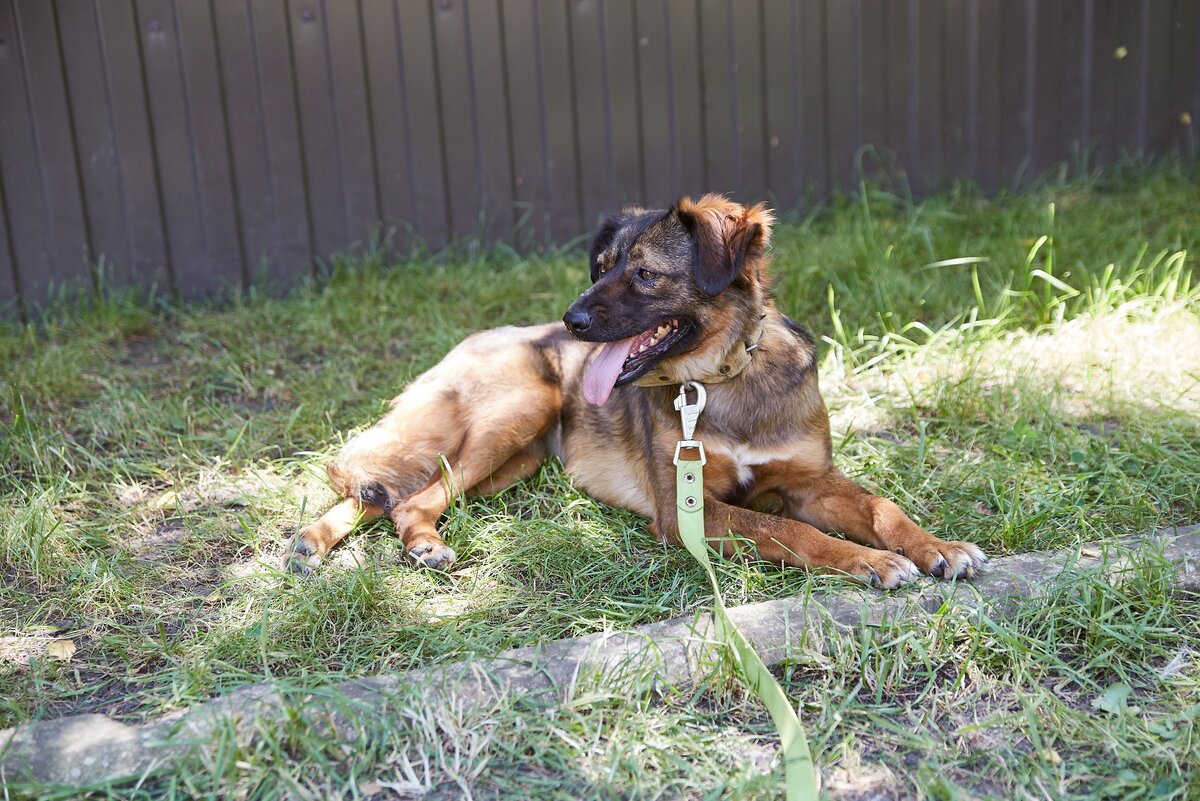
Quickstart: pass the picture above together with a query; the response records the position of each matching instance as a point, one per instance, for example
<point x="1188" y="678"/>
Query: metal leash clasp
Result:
<point x="689" y="413"/>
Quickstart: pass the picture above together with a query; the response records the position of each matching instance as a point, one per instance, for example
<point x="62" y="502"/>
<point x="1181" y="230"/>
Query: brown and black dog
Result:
<point x="681" y="294"/>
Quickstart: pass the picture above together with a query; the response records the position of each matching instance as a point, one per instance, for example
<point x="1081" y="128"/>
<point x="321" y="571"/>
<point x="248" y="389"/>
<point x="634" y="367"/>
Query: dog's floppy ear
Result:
<point x="724" y="235"/>
<point x="601" y="242"/>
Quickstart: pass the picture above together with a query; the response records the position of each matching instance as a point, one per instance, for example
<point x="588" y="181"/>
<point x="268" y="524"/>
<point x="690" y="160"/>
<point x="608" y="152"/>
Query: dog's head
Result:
<point x="672" y="291"/>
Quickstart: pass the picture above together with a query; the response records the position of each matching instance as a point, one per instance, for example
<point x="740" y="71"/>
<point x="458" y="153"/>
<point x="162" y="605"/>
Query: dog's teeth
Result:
<point x="642" y="349"/>
<point x="662" y="329"/>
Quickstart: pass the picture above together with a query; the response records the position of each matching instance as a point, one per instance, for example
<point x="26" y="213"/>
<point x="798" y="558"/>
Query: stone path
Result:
<point x="87" y="749"/>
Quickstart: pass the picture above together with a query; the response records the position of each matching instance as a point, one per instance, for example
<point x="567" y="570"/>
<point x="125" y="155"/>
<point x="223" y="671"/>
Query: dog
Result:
<point x="681" y="294"/>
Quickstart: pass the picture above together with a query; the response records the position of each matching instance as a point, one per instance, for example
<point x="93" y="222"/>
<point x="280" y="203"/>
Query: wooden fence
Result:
<point x="209" y="144"/>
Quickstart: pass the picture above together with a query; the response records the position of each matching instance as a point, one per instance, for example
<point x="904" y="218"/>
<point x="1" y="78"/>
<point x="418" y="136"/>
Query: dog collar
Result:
<point x="736" y="361"/>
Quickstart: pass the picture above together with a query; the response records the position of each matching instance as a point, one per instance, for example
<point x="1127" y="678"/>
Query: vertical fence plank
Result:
<point x="781" y="100"/>
<point x="1066" y="21"/>
<point x="1127" y="124"/>
<point x="814" y="101"/>
<point x="1053" y="54"/>
<point x="1117" y="53"/>
<point x="290" y="238"/>
<point x="1159" y="120"/>
<point x="597" y="161"/>
<point x="986" y="83"/>
<point x="10" y="291"/>
<point x="54" y="129"/>
<point x="689" y="142"/>
<point x="1015" y="111"/>
<point x="749" y="99"/>
<point x="930" y="33"/>
<point x="844" y="119"/>
<point x="900" y="101"/>
<point x="19" y="169"/>
<point x="1183" y="101"/>
<point x="187" y="129"/>
<point x="562" y="122"/>
<point x="390" y="126"/>
<point x="625" y="88"/>
<point x="459" y="120"/>
<point x="424" y="109"/>
<point x="1058" y="99"/>
<point x="1103" y="101"/>
<point x="217" y="197"/>
<point x="1109" y="66"/>
<point x="206" y="118"/>
<point x="351" y="111"/>
<point x="99" y="161"/>
<point x="126" y="96"/>
<point x="956" y="124"/>
<point x="493" y="125"/>
<point x="308" y="28"/>
<point x="874" y="68"/>
<point x="246" y="124"/>
<point x="527" y="112"/>
<point x="723" y="158"/>
<point x="160" y="69"/>
<point x="655" y="95"/>
<point x="1195" y="112"/>
<point x="54" y="214"/>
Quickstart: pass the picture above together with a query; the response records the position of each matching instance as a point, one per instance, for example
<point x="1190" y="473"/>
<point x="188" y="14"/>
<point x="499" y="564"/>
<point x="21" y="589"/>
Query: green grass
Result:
<point x="1018" y="391"/>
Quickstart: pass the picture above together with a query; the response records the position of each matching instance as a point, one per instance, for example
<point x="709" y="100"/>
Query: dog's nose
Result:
<point x="577" y="321"/>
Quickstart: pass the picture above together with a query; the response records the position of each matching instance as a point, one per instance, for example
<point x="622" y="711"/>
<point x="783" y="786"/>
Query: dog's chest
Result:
<point x="743" y="459"/>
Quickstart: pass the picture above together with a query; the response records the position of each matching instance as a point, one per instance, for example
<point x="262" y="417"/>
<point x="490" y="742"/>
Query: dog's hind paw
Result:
<point x="300" y="557"/>
<point x="433" y="555"/>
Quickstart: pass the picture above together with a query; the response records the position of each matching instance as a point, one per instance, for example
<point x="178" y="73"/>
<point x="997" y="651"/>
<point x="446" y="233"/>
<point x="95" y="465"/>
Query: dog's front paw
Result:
<point x="883" y="570"/>
<point x="946" y="559"/>
<point x="433" y="554"/>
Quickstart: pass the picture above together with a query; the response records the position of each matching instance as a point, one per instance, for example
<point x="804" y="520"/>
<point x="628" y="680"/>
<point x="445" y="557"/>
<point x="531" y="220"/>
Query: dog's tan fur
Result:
<point x="504" y="399"/>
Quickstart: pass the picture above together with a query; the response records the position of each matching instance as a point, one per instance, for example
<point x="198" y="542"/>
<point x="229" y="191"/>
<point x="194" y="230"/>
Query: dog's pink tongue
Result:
<point x="601" y="375"/>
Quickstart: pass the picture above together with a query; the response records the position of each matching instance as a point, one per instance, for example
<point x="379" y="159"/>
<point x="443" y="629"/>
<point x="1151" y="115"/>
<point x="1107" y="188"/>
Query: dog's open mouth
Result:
<point x="624" y="360"/>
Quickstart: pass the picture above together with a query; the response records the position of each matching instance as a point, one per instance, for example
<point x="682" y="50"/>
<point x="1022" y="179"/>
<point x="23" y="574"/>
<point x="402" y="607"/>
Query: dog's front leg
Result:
<point x="788" y="542"/>
<point x="833" y="502"/>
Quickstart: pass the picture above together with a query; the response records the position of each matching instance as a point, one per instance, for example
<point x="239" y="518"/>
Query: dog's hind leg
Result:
<point x="316" y="540"/>
<point x="487" y="462"/>
<point x="521" y="466"/>
<point x="373" y="469"/>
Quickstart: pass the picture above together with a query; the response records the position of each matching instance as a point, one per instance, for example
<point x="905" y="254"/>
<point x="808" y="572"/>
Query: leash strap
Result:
<point x="799" y="772"/>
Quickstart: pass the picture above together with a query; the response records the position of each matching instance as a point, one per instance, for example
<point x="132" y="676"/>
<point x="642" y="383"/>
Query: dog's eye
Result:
<point x="646" y="275"/>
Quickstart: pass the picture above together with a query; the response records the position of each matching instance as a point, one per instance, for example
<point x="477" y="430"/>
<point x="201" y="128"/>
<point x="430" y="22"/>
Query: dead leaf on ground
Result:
<point x="61" y="649"/>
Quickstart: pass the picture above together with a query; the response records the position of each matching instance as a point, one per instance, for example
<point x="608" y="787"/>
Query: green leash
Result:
<point x="799" y="772"/>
